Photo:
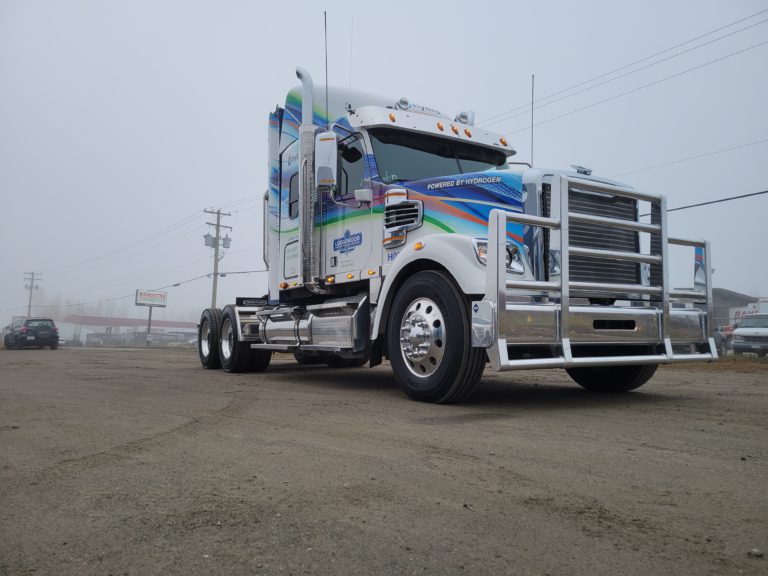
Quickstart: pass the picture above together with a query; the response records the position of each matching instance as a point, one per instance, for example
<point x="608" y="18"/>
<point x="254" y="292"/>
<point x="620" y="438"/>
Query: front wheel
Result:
<point x="612" y="378"/>
<point x="429" y="341"/>
<point x="237" y="356"/>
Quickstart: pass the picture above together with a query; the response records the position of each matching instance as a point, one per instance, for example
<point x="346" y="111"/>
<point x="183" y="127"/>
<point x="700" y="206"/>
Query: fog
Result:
<point x="120" y="122"/>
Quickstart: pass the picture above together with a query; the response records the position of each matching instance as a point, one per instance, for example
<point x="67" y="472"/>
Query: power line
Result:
<point x="588" y="88"/>
<point x="152" y="236"/>
<point x="717" y="201"/>
<point x="133" y="294"/>
<point x="624" y="67"/>
<point x="676" y="75"/>
<point x="691" y="158"/>
<point x="163" y="231"/>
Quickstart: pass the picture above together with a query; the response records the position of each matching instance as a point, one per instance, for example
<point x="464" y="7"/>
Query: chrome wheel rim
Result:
<point x="205" y="334"/>
<point x="422" y="337"/>
<point x="227" y="339"/>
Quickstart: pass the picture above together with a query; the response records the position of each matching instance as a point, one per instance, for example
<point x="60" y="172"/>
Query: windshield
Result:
<point x="754" y="322"/>
<point x="402" y="156"/>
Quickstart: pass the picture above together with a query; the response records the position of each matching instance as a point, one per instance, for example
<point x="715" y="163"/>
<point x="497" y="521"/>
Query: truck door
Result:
<point x="347" y="235"/>
<point x="289" y="264"/>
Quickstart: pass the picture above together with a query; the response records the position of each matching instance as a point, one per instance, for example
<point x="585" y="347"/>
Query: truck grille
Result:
<point x="588" y="269"/>
<point x="756" y="339"/>
<point x="402" y="214"/>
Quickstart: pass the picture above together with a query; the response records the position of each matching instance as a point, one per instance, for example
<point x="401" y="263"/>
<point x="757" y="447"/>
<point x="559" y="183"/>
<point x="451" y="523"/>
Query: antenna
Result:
<point x="533" y="80"/>
<point x="327" y="112"/>
<point x="351" y="40"/>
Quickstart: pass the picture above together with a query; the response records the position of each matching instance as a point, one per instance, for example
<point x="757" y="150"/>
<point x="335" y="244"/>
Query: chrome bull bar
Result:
<point x="551" y="320"/>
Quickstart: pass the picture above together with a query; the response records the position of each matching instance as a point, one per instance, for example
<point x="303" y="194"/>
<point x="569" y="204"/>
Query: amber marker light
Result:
<point x="350" y="276"/>
<point x="330" y="279"/>
<point x="454" y="129"/>
<point x="392" y="116"/>
<point x="371" y="272"/>
<point x="418" y="246"/>
<point x="467" y="132"/>
<point x="503" y="141"/>
<point x="283" y="285"/>
<point x="440" y="126"/>
<point x="294" y="284"/>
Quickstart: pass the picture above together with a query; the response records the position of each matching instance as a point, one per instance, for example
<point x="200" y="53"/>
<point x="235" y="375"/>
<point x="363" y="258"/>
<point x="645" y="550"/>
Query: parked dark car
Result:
<point x="32" y="332"/>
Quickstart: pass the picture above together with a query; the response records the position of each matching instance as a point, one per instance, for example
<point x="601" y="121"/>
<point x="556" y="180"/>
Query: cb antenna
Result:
<point x="351" y="45"/>
<point x="533" y="79"/>
<point x="327" y="112"/>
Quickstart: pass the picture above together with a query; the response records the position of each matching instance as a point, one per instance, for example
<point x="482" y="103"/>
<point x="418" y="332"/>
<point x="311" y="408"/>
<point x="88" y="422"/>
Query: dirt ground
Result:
<point x="141" y="462"/>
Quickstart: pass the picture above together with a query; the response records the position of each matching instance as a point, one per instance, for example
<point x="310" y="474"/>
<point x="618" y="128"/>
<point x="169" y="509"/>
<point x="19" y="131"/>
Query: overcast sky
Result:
<point x="120" y="121"/>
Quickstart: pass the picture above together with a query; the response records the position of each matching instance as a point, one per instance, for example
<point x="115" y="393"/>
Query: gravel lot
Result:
<point x="141" y="462"/>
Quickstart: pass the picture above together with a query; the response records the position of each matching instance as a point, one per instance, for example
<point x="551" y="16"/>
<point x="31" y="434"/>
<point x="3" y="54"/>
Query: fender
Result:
<point x="453" y="252"/>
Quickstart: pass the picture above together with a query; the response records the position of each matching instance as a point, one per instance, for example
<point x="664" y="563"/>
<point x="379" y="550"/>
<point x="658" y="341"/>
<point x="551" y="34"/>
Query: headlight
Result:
<point x="514" y="262"/>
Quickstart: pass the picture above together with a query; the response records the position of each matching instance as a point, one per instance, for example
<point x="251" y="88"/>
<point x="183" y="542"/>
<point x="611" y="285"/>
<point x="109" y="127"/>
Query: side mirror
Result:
<point x="326" y="159"/>
<point x="364" y="195"/>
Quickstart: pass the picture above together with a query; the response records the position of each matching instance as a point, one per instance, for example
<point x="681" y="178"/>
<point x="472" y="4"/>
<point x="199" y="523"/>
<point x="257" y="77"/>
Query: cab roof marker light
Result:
<point x="468" y="132"/>
<point x="503" y="141"/>
<point x="454" y="129"/>
<point x="392" y="116"/>
<point x="440" y="126"/>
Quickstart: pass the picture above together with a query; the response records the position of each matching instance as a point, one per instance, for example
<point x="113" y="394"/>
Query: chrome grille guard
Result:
<point x="553" y="321"/>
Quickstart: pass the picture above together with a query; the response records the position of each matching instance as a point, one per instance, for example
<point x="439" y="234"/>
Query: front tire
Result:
<point x="238" y="356"/>
<point x="208" y="338"/>
<point x="612" y="378"/>
<point x="429" y="343"/>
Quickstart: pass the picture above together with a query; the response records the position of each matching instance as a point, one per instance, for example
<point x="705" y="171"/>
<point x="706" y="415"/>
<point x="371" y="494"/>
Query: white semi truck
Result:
<point x="393" y="230"/>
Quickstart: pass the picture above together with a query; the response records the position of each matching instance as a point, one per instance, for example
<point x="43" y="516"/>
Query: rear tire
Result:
<point x="236" y="356"/>
<point x="429" y="341"/>
<point x="612" y="378"/>
<point x="208" y="338"/>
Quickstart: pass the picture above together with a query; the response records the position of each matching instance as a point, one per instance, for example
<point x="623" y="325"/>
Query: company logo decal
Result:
<point x="474" y="181"/>
<point x="348" y="242"/>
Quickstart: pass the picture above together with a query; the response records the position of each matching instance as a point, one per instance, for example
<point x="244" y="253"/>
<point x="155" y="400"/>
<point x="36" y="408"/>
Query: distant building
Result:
<point x="725" y="301"/>
<point x="107" y="330"/>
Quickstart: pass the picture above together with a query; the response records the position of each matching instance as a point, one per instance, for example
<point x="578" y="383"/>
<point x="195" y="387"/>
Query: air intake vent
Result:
<point x="406" y="213"/>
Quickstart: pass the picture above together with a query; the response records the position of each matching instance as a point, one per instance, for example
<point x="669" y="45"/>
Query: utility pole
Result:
<point x="30" y="279"/>
<point x="216" y="242"/>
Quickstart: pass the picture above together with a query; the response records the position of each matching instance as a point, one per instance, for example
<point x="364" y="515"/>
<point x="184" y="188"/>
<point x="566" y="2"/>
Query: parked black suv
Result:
<point x="37" y="332"/>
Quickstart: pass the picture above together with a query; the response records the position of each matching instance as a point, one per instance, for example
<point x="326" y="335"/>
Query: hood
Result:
<point x="462" y="203"/>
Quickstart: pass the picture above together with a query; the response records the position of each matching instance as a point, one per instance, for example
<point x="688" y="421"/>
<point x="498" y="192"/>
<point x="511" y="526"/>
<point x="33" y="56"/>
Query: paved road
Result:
<point x="141" y="462"/>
